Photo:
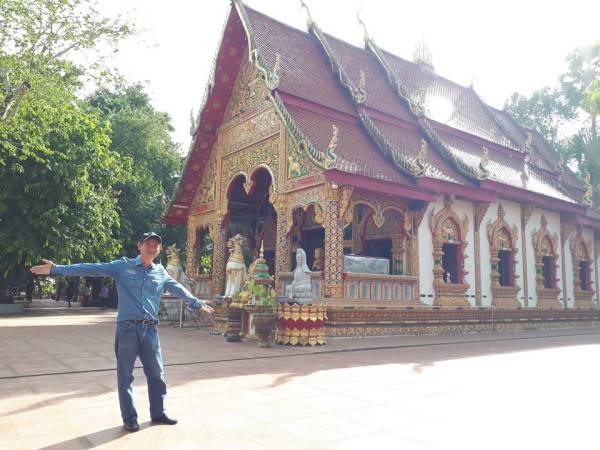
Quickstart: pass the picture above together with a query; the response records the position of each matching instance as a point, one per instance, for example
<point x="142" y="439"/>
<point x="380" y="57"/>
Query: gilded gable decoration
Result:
<point x="331" y="157"/>
<point x="419" y="165"/>
<point x="545" y="247"/>
<point x="503" y="238"/>
<point x="245" y="162"/>
<point x="448" y="229"/>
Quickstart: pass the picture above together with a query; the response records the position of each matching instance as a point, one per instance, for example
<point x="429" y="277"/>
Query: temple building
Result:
<point x="412" y="198"/>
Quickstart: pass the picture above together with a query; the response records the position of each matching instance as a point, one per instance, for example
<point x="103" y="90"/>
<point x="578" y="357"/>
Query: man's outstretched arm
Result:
<point x="176" y="289"/>
<point x="77" y="270"/>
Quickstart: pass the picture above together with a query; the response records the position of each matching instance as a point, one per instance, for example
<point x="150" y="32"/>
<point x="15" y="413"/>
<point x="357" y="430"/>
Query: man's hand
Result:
<point x="207" y="308"/>
<point x="43" y="269"/>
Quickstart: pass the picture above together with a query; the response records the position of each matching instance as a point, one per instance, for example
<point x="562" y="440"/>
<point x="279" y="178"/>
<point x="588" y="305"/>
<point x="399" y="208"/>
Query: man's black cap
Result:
<point x="150" y="235"/>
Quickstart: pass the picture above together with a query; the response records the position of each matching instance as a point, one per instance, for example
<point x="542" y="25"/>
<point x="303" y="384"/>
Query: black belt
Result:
<point x="146" y="322"/>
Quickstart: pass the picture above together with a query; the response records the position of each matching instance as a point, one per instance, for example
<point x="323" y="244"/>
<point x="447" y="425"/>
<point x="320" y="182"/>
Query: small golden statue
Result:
<point x="319" y="262"/>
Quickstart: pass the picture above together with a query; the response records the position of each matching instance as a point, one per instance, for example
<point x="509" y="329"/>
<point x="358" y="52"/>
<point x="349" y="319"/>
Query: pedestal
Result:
<point x="301" y="324"/>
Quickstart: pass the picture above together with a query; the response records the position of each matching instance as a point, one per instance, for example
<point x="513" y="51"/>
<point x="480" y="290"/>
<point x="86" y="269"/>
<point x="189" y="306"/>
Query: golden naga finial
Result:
<point x="330" y="156"/>
<point x="589" y="190"/>
<point x="482" y="172"/>
<point x="309" y="20"/>
<point x="529" y="140"/>
<point x="361" y="94"/>
<point x="366" y="37"/>
<point x="419" y="167"/>
<point x="277" y="65"/>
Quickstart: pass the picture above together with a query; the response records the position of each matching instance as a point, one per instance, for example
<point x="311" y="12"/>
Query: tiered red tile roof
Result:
<point x="454" y="121"/>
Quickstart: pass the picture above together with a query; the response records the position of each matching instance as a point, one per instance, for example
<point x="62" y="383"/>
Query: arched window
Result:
<point x="582" y="271"/>
<point x="451" y="259"/>
<point x="549" y="264"/>
<point x="503" y="248"/>
<point x="546" y="258"/>
<point x="449" y="235"/>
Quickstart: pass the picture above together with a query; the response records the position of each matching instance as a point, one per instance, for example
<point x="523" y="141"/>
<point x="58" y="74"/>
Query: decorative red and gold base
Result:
<point x="301" y="324"/>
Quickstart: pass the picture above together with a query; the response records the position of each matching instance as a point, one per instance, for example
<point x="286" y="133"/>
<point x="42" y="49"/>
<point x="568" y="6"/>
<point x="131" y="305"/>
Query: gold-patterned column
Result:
<point x="398" y="265"/>
<point x="218" y="234"/>
<point x="191" y="253"/>
<point x="334" y="244"/>
<point x="526" y="211"/>
<point x="479" y="210"/>
<point x="282" y="246"/>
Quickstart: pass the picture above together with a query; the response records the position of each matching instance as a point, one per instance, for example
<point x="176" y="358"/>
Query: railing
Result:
<point x="316" y="279"/>
<point x="397" y="288"/>
<point x="203" y="285"/>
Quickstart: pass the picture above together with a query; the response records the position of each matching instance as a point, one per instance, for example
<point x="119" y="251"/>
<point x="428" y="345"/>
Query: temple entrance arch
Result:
<point x="251" y="214"/>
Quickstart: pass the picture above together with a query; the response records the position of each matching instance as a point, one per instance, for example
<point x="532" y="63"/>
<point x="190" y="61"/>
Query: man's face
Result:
<point x="149" y="248"/>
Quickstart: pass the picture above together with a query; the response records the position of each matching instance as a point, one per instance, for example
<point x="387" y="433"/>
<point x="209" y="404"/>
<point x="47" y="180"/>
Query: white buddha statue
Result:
<point x="300" y="290"/>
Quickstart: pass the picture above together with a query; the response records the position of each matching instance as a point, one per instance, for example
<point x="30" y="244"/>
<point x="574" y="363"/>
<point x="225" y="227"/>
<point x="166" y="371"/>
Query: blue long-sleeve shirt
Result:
<point x="139" y="287"/>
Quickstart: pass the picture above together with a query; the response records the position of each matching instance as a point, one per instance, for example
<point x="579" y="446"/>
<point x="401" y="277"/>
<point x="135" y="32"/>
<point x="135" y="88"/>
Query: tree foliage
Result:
<point x="56" y="167"/>
<point x="141" y="134"/>
<point x="568" y="115"/>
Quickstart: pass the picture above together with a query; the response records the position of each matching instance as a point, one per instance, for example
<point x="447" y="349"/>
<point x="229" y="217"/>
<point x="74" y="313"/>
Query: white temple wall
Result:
<point x="568" y="299"/>
<point x="513" y="217"/>
<point x="533" y="225"/>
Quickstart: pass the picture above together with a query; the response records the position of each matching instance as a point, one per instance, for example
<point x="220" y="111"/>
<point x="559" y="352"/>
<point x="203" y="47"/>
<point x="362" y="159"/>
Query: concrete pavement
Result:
<point x="537" y="389"/>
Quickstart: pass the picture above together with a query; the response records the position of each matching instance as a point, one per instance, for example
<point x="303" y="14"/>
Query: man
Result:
<point x="140" y="284"/>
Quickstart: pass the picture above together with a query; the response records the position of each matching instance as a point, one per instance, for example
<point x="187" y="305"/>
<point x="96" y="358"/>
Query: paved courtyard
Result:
<point x="535" y="389"/>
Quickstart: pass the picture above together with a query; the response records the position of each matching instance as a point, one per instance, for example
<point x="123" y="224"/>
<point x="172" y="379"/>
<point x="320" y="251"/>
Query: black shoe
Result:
<point x="131" y="425"/>
<point x="165" y="420"/>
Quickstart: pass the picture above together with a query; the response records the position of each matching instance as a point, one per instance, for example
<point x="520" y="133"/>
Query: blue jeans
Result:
<point x="133" y="340"/>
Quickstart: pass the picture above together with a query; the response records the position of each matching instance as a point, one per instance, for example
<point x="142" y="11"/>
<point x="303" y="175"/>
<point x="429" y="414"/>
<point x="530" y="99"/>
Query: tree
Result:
<point x="141" y="133"/>
<point x="545" y="111"/>
<point x="567" y="117"/>
<point x="57" y="198"/>
<point x="38" y="36"/>
<point x="57" y="201"/>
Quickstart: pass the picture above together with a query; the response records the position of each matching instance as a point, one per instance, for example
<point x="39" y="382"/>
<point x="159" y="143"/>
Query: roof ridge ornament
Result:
<point x="330" y="155"/>
<point x="366" y="37"/>
<point x="422" y="55"/>
<point x="419" y="167"/>
<point x="309" y="20"/>
<point x="482" y="171"/>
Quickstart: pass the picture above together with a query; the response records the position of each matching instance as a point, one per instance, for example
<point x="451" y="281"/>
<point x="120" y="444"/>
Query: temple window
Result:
<point x="548" y="272"/>
<point x="581" y="258"/>
<point x="451" y="263"/>
<point x="505" y="267"/>
<point x="584" y="275"/>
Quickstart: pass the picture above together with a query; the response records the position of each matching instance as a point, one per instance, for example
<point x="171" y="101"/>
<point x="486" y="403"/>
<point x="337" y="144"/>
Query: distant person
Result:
<point x="60" y="285"/>
<point x="140" y="283"/>
<point x="104" y="295"/>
